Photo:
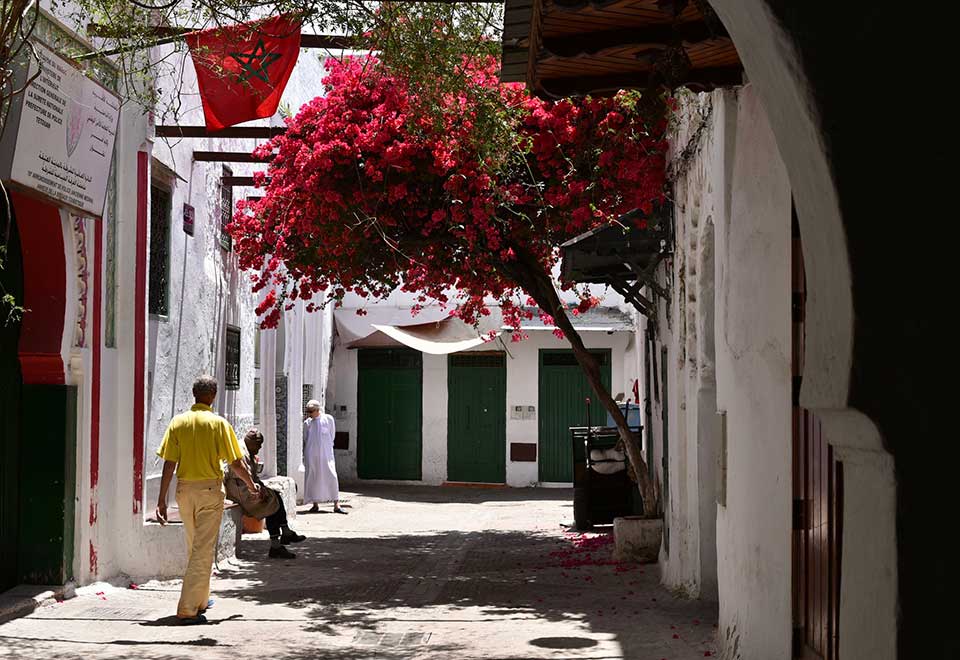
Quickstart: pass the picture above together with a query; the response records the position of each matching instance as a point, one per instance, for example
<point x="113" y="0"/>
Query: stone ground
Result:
<point x="411" y="572"/>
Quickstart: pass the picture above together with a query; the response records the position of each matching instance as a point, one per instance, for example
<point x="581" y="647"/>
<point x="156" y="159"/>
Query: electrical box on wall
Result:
<point x="523" y="412"/>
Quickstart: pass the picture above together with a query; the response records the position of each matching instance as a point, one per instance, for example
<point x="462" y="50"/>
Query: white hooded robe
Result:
<point x="320" y="481"/>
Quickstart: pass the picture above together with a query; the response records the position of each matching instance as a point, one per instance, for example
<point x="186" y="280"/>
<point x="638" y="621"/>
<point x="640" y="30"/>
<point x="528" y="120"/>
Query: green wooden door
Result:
<point x="477" y="417"/>
<point x="11" y="281"/>
<point x="9" y="462"/>
<point x="563" y="392"/>
<point x="389" y="413"/>
<point x="10" y="416"/>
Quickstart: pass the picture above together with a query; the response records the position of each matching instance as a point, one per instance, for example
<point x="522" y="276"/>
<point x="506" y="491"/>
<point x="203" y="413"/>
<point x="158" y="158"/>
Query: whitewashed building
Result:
<point x="416" y="401"/>
<point x="125" y="310"/>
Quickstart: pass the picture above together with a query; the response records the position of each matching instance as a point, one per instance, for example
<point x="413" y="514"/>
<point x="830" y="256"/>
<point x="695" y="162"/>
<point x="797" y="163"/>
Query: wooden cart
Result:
<point x="598" y="498"/>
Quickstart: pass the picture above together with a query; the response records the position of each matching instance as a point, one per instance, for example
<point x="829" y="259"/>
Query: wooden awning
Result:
<point x="578" y="47"/>
<point x="622" y="256"/>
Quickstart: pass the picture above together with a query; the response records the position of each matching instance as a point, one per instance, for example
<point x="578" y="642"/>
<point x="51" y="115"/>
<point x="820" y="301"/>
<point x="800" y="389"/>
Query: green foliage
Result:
<point x="425" y="42"/>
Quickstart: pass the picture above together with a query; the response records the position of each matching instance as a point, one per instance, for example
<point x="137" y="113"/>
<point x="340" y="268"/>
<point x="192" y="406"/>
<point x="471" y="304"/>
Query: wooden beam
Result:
<point x="706" y="78"/>
<point x="330" y="41"/>
<point x="244" y="132"/>
<point x="239" y="180"/>
<point x="591" y="43"/>
<point x="227" y="157"/>
<point x="327" y="41"/>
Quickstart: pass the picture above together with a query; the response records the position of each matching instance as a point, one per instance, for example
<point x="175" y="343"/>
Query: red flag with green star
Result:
<point x="242" y="69"/>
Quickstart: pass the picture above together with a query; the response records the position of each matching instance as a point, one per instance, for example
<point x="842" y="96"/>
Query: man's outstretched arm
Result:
<point x="169" y="467"/>
<point x="239" y="468"/>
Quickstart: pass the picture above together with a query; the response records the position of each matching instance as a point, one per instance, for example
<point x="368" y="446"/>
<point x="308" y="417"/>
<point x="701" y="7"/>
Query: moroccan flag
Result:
<point x="242" y="69"/>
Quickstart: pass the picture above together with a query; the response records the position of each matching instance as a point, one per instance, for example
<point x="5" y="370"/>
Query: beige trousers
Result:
<point x="201" y="508"/>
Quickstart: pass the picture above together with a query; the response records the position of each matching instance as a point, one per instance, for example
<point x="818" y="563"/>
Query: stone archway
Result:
<point x="869" y="562"/>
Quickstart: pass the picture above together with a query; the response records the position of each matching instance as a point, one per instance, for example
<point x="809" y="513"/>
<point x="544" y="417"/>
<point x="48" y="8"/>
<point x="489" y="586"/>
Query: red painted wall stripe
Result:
<point x="140" y="330"/>
<point x="95" y="376"/>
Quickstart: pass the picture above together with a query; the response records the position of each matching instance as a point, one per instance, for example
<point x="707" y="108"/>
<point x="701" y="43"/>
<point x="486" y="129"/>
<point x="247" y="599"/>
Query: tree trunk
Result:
<point x="527" y="273"/>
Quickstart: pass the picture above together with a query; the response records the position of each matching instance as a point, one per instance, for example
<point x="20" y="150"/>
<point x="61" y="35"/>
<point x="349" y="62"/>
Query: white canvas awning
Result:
<point x="434" y="336"/>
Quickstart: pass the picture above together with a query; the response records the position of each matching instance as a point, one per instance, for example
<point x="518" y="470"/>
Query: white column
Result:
<point x="268" y="400"/>
<point x="293" y="366"/>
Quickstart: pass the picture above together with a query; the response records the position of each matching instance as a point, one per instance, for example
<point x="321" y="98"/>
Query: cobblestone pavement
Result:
<point x="411" y="572"/>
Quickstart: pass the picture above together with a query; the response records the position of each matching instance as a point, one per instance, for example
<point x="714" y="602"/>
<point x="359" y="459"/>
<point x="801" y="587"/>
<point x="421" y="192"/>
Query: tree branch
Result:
<point x="528" y="274"/>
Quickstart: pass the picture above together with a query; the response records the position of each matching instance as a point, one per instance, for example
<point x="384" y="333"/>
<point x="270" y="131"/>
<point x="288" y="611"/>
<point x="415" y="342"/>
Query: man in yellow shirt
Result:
<point x="194" y="445"/>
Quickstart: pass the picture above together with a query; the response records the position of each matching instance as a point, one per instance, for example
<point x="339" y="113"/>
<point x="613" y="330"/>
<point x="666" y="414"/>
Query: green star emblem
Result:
<point x="255" y="63"/>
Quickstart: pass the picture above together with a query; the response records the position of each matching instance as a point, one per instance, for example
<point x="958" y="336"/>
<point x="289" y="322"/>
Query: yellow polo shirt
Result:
<point x="197" y="441"/>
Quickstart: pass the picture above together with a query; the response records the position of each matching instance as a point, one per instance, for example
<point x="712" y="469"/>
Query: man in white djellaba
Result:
<point x="320" y="481"/>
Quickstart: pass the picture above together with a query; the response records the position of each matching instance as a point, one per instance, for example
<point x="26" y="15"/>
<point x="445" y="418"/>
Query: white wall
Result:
<point x="753" y="345"/>
<point x="686" y="328"/>
<point x="522" y="389"/>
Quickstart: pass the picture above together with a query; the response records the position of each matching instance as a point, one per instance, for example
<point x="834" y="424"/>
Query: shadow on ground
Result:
<point x="498" y="594"/>
<point x="364" y="583"/>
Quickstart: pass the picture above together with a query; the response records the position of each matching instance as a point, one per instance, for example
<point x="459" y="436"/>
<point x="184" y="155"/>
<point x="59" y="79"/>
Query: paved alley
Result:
<point x="411" y="572"/>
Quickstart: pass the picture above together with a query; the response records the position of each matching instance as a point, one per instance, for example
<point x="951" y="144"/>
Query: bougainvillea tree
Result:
<point x="369" y="192"/>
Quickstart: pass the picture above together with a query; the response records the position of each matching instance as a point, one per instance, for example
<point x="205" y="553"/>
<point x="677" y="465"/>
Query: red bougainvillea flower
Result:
<point x="369" y="191"/>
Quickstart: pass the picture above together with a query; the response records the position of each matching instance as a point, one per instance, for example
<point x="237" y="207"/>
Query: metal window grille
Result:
<point x="232" y="370"/>
<point x="159" y="302"/>
<point x="226" y="210"/>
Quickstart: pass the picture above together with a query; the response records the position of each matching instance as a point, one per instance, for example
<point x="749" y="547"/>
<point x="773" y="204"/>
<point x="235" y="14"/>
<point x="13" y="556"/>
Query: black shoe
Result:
<point x="192" y="620"/>
<point x="292" y="537"/>
<point x="314" y="509"/>
<point x="280" y="552"/>
<point x="339" y="510"/>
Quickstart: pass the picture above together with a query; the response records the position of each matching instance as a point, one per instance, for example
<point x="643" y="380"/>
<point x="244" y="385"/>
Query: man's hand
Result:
<point x="169" y="467"/>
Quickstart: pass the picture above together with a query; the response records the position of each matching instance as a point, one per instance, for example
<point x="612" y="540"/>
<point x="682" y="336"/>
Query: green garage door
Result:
<point x="389" y="412"/>
<point x="563" y="390"/>
<point x="476" y="417"/>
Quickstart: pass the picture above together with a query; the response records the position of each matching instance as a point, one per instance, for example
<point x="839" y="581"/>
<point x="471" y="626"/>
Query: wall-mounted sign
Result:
<point x="188" y="214"/>
<point x="65" y="134"/>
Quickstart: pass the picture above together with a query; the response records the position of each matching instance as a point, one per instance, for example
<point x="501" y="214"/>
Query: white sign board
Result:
<point x="68" y="124"/>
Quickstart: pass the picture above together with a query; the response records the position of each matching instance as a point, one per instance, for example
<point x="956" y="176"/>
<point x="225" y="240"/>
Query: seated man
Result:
<point x="266" y="505"/>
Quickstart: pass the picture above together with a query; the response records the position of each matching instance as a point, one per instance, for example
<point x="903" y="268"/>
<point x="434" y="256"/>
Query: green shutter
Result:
<point x="389" y="412"/>
<point x="563" y="392"/>
<point x="48" y="485"/>
<point x="476" y="417"/>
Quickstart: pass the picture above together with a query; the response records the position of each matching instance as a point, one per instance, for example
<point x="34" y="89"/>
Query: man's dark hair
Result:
<point x="253" y="434"/>
<point x="204" y="386"/>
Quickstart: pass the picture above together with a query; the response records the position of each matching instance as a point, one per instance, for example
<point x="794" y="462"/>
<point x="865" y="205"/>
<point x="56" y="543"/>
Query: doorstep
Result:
<point x="472" y="484"/>
<point x="25" y="598"/>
